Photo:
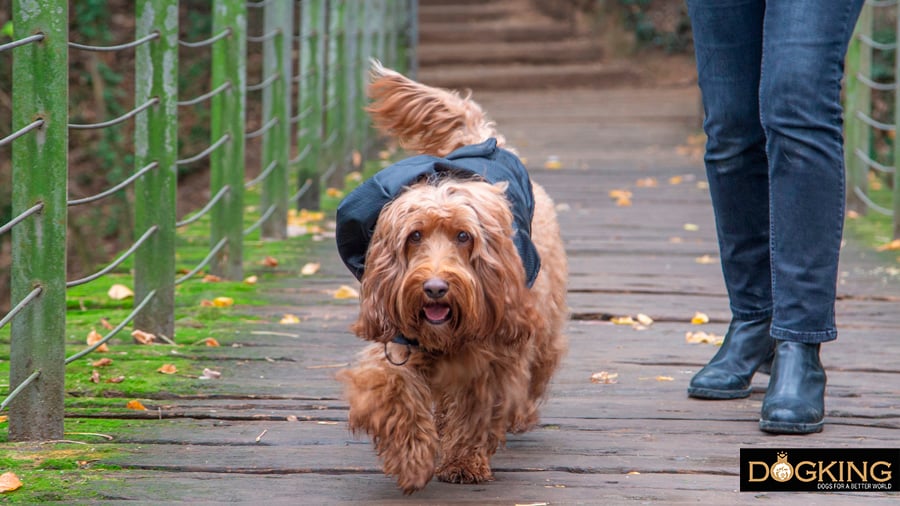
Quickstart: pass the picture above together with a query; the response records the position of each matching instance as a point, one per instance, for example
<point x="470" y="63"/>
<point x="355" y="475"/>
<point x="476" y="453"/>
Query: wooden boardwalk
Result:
<point x="638" y="440"/>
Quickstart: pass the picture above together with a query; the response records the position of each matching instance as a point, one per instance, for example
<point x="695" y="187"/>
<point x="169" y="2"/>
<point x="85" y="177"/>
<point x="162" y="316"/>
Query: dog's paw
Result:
<point x="523" y="422"/>
<point x="476" y="470"/>
<point x="411" y="482"/>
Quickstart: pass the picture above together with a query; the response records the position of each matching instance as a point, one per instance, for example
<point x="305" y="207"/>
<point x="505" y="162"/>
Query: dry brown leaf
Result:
<point x="167" y="369"/>
<point x="9" y="482"/>
<point x="135" y="405"/>
<point x="699" y="318"/>
<point x="251" y="280"/>
<point x="206" y="303"/>
<point x="346" y="292"/>
<point x="94" y="337"/>
<point x="210" y="374"/>
<point x="291" y="418"/>
<point x="289" y="319"/>
<point x="119" y="292"/>
<point x="211" y="278"/>
<point x="105" y="324"/>
<point x="310" y="268"/>
<point x="211" y="342"/>
<point x="117" y="379"/>
<point x="891" y="246"/>
<point x="604" y="377"/>
<point x="270" y="262"/>
<point x="223" y="302"/>
<point x="95" y="376"/>
<point x="141" y="337"/>
<point x="356" y="158"/>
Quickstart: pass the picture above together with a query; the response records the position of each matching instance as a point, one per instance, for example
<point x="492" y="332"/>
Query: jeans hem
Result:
<point x="813" y="337"/>
<point x="758" y="314"/>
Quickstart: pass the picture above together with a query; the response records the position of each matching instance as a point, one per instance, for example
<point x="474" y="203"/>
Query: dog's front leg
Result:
<point x="393" y="405"/>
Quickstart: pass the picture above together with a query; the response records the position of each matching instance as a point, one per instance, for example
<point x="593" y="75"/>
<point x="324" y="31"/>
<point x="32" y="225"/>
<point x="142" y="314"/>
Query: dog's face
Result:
<point x="441" y="267"/>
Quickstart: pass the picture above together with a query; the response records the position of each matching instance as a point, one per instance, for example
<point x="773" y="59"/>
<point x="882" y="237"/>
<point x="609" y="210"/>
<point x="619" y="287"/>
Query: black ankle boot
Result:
<point x="746" y="347"/>
<point x="795" y="399"/>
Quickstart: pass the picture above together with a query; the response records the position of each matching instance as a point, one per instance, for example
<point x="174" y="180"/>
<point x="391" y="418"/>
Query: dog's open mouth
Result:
<point x="436" y="312"/>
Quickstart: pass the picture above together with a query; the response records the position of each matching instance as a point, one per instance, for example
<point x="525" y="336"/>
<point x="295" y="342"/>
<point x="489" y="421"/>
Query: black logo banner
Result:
<point x="820" y="469"/>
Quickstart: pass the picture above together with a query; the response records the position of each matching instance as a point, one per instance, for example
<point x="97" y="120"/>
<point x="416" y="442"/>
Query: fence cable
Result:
<point x="203" y="154"/>
<point x="22" y="303"/>
<point x="874" y="44"/>
<point x="264" y="37"/>
<point x="21" y="42"/>
<point x="115" y="330"/>
<point x="134" y="112"/>
<point x="262" y="219"/>
<point x="262" y="175"/>
<point x="874" y="85"/>
<point x="219" y="245"/>
<point x="872" y="164"/>
<point x="263" y="129"/>
<point x="265" y="83"/>
<point x="303" y="189"/>
<point x="865" y="118"/>
<point x="124" y="256"/>
<point x="199" y="214"/>
<point x="26" y="213"/>
<point x="205" y="96"/>
<point x="207" y="42"/>
<point x="871" y="203"/>
<point x="12" y="395"/>
<point x="128" y="45"/>
<point x="22" y="131"/>
<point x="114" y="189"/>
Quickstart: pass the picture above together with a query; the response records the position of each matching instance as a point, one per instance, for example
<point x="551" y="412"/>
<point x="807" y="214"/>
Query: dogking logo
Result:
<point x="820" y="469"/>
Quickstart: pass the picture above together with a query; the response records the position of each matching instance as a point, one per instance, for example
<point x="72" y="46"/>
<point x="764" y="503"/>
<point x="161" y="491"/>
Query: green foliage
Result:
<point x="7" y="29"/>
<point x="661" y="24"/>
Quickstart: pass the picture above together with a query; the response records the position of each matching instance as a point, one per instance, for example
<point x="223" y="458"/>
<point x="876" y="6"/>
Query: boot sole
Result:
<point x="790" y="427"/>
<point x="718" y="395"/>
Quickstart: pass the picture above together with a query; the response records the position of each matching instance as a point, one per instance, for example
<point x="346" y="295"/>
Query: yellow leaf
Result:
<point x="699" y="318"/>
<point x="310" y="268"/>
<point x="633" y="472"/>
<point x="691" y="227"/>
<point x="135" y="405"/>
<point x="334" y="192"/>
<point x="167" y="369"/>
<point x="141" y="337"/>
<point x="3" y="418"/>
<point x="346" y="292"/>
<point x="619" y="194"/>
<point x="622" y="320"/>
<point x="623" y="202"/>
<point x="644" y="319"/>
<point x="251" y="280"/>
<point x="891" y="246"/>
<point x="665" y="378"/>
<point x="676" y="180"/>
<point x="119" y="292"/>
<point x="289" y="319"/>
<point x="553" y="163"/>
<point x="604" y="377"/>
<point x="647" y="182"/>
<point x="706" y="260"/>
<point x="94" y="337"/>
<point x="223" y="302"/>
<point x="702" y="338"/>
<point x="9" y="482"/>
<point x="354" y="177"/>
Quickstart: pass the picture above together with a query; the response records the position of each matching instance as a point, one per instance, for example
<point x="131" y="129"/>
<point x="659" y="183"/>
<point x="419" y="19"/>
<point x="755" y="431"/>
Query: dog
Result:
<point x="463" y="348"/>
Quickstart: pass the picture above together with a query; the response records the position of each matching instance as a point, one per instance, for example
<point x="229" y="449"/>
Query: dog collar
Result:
<point x="402" y="340"/>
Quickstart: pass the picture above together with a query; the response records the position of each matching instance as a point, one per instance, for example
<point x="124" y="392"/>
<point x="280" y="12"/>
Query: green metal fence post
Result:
<point x="896" y="193"/>
<point x="858" y="99"/>
<point x="276" y="104"/>
<point x="228" y="117"/>
<point x="351" y="83"/>
<point x="310" y="93"/>
<point x="336" y="93"/>
<point x="156" y="141"/>
<point x="39" y="175"/>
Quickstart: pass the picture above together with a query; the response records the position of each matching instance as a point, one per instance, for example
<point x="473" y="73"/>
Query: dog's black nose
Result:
<point x="435" y="288"/>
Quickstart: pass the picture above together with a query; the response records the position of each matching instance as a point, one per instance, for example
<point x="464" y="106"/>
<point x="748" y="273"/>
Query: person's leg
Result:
<point x="728" y="39"/>
<point x="804" y="44"/>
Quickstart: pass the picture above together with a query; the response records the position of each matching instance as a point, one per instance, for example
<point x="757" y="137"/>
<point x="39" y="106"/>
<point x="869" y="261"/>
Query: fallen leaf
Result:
<point x="664" y="378"/>
<point x="270" y="262"/>
<point x="289" y="319"/>
<point x="310" y="268"/>
<point x="251" y="280"/>
<point x="9" y="482"/>
<point x="706" y="260"/>
<point x="95" y="376"/>
<point x="891" y="246"/>
<point x="852" y="215"/>
<point x="633" y="472"/>
<point x="356" y="158"/>
<point x="618" y="194"/>
<point x="644" y="319"/>
<point x="647" y="182"/>
<point x="93" y="338"/>
<point x="354" y="177"/>
<point x="703" y="338"/>
<point x="167" y="369"/>
<point x="119" y="292"/>
<point x="622" y="320"/>
<point x="135" y="405"/>
<point x="211" y="342"/>
<point x="604" y="377"/>
<point x="211" y="278"/>
<point x="691" y="227"/>
<point x="141" y="337"/>
<point x="223" y="302"/>
<point x="702" y="185"/>
<point x="334" y="192"/>
<point x="699" y="318"/>
<point x="346" y="292"/>
<point x="206" y="303"/>
<point x="117" y="379"/>
<point x="623" y="202"/>
<point x="105" y="324"/>
<point x="553" y="163"/>
<point x="291" y="418"/>
<point x="210" y="374"/>
<point x="3" y="418"/>
<point x="676" y="180"/>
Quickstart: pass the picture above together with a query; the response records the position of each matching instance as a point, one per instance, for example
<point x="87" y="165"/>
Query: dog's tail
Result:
<point x="425" y="119"/>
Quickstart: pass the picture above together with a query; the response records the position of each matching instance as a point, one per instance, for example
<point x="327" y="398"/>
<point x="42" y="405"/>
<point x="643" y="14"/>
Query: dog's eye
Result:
<point x="415" y="237"/>
<point x="463" y="237"/>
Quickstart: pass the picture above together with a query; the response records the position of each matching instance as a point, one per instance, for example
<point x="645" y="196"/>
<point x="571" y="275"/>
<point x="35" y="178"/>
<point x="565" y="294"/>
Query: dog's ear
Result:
<point x="378" y="289"/>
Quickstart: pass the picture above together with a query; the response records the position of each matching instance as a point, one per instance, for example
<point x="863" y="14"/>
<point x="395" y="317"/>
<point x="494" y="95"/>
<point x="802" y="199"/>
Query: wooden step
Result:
<point x="467" y="53"/>
<point x="492" y="31"/>
<point x="522" y="77"/>
<point x="462" y="13"/>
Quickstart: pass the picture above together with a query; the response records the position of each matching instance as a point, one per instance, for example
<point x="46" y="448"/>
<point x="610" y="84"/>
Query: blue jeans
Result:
<point x="770" y="76"/>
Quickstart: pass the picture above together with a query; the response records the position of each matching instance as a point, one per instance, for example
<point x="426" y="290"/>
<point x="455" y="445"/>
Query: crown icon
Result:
<point x="782" y="456"/>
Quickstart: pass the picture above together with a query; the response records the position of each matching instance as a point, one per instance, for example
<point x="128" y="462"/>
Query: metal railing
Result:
<point x="322" y="122"/>
<point x="870" y="146"/>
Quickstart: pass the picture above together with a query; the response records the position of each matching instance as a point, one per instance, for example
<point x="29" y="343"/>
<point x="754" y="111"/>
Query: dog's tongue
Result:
<point x="436" y="312"/>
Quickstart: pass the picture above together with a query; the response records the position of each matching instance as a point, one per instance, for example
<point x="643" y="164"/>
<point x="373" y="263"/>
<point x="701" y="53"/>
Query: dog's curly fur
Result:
<point x="442" y="269"/>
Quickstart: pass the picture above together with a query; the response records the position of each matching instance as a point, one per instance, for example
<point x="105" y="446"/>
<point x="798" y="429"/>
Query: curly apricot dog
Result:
<point x="478" y="345"/>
